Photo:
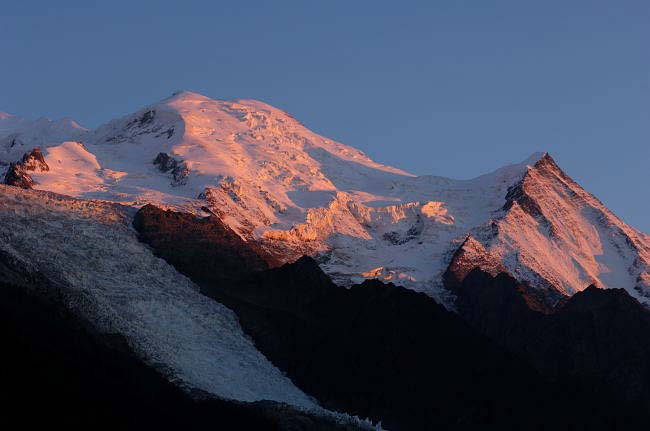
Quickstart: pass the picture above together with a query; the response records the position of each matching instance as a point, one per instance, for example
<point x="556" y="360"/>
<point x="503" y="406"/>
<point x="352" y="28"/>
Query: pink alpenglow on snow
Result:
<point x="275" y="182"/>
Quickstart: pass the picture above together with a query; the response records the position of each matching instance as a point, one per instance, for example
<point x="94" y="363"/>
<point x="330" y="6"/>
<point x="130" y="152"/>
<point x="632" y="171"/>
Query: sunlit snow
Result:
<point x="275" y="182"/>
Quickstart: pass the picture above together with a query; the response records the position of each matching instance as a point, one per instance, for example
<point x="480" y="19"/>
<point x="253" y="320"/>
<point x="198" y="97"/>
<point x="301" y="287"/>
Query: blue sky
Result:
<point x="453" y="88"/>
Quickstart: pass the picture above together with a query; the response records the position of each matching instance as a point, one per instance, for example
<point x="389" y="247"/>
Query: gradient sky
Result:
<point x="453" y="88"/>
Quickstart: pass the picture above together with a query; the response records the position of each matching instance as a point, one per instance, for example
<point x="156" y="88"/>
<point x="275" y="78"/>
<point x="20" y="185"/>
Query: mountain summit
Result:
<point x="293" y="192"/>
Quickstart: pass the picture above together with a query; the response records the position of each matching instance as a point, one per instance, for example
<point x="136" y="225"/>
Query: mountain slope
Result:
<point x="274" y="182"/>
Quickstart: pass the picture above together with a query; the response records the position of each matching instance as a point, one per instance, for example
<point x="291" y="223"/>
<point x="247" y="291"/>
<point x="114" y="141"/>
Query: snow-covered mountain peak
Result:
<point x="295" y="192"/>
<point x="555" y="234"/>
<point x="245" y="118"/>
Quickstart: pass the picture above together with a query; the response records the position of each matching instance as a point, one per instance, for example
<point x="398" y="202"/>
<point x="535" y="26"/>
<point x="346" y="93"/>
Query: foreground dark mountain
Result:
<point x="379" y="350"/>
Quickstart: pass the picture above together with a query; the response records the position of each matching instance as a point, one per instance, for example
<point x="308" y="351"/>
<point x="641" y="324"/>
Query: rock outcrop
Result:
<point x="18" y="173"/>
<point x="179" y="170"/>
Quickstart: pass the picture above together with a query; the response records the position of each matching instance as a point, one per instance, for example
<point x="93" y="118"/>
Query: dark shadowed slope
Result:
<point x="597" y="340"/>
<point x="201" y="242"/>
<point x="379" y="350"/>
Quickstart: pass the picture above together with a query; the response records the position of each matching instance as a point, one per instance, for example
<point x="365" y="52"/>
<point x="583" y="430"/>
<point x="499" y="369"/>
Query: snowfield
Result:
<point x="275" y="182"/>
